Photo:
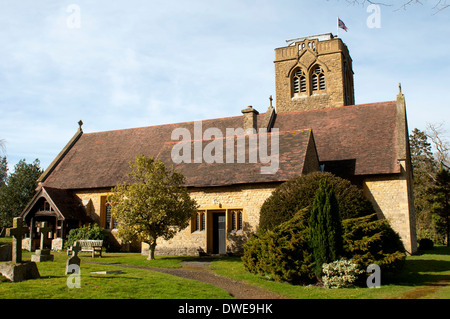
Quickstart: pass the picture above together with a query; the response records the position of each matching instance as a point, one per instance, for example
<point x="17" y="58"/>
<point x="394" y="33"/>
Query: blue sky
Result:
<point x="139" y="63"/>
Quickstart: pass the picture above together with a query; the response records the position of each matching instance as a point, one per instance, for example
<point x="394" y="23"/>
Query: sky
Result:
<point x="134" y="63"/>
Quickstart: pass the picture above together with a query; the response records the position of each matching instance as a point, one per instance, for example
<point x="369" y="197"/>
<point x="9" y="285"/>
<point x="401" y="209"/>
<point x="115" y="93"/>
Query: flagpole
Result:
<point x="337" y="26"/>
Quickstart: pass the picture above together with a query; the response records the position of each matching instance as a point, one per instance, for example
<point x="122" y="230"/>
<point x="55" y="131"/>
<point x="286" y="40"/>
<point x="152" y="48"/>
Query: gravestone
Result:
<point x="43" y="254"/>
<point x="74" y="260"/>
<point x="16" y="270"/>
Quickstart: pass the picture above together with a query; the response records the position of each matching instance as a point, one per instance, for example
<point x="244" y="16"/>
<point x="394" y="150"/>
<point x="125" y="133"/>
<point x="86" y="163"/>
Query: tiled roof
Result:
<point x="365" y="134"/>
<point x="362" y="134"/>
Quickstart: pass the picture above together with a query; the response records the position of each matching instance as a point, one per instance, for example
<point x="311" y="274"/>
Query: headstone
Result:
<point x="43" y="254"/>
<point x="16" y="270"/>
<point x="5" y="252"/>
<point x="74" y="260"/>
<point x="17" y="232"/>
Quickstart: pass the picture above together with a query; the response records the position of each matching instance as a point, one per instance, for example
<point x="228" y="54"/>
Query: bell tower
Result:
<point x="313" y="72"/>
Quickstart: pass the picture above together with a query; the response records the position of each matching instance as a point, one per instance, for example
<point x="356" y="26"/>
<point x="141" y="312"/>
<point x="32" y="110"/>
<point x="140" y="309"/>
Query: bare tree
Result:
<point x="439" y="5"/>
<point x="2" y="146"/>
<point x="436" y="133"/>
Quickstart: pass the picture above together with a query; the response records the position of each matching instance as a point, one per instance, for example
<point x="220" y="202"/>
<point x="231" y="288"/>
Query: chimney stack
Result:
<point x="250" y="119"/>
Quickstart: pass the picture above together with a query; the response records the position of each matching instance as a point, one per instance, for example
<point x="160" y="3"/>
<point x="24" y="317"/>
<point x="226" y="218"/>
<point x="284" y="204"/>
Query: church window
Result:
<point x="236" y="220"/>
<point x="110" y="223"/>
<point x="198" y="222"/>
<point x="299" y="81"/>
<point x="318" y="79"/>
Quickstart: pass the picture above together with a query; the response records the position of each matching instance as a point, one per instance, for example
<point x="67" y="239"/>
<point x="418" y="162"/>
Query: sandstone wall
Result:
<point x="392" y="199"/>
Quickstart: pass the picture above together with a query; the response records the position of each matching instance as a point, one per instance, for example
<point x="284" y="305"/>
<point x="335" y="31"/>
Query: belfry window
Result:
<point x="318" y="79"/>
<point x="299" y="81"/>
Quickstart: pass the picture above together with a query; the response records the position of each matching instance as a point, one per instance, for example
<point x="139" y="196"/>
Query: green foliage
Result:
<point x="18" y="191"/>
<point x="440" y="199"/>
<point x="89" y="231"/>
<point x="298" y="193"/>
<point x="426" y="244"/>
<point x="368" y="240"/>
<point x="282" y="254"/>
<point x="3" y="171"/>
<point x="424" y="168"/>
<point x="342" y="273"/>
<point x="325" y="229"/>
<point x="154" y="205"/>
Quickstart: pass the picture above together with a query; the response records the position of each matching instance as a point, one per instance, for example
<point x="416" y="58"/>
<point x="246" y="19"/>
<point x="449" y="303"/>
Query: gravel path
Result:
<point x="199" y="270"/>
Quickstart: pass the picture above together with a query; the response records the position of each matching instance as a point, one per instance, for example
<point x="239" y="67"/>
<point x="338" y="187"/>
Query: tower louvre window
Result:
<point x="299" y="81"/>
<point x="318" y="79"/>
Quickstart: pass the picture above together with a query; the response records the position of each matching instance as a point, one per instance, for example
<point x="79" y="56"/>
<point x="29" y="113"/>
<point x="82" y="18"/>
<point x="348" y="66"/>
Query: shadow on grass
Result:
<point x="426" y="267"/>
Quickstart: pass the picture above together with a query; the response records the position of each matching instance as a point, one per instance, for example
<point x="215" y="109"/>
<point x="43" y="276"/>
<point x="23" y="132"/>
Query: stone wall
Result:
<point x="392" y="199"/>
<point x="332" y="55"/>
<point x="248" y="198"/>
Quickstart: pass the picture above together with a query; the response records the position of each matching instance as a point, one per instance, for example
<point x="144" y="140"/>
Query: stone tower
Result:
<point x="313" y="72"/>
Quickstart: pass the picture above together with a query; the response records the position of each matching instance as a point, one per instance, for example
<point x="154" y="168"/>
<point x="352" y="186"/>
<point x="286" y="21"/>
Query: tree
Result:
<point x="18" y="190"/>
<point x="424" y="171"/>
<point x="430" y="181"/>
<point x="325" y="228"/>
<point x="3" y="171"/>
<point x="440" y="199"/>
<point x="153" y="205"/>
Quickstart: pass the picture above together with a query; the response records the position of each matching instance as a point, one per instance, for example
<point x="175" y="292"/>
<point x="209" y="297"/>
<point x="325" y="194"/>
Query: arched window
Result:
<point x="299" y="81"/>
<point x="318" y="79"/>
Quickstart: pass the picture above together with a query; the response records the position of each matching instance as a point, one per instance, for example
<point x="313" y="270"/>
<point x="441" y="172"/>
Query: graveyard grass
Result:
<point x="431" y="266"/>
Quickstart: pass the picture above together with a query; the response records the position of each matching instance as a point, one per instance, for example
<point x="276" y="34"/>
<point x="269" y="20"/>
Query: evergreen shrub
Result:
<point x="426" y="244"/>
<point x="89" y="231"/>
<point x="298" y="193"/>
<point x="282" y="254"/>
<point x="281" y="249"/>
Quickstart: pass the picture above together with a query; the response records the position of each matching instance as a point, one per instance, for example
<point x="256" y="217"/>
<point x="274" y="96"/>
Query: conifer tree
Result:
<point x="325" y="227"/>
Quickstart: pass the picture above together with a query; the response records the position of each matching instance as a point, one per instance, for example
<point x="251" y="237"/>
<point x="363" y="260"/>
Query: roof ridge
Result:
<point x="167" y="124"/>
<point x="337" y="107"/>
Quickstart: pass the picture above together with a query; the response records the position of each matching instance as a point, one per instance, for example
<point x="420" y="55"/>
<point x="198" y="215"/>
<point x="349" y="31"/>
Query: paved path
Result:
<point x="199" y="270"/>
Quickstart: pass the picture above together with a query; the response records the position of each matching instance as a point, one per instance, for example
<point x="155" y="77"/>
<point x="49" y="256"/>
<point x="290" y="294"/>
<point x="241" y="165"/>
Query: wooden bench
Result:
<point x="89" y="245"/>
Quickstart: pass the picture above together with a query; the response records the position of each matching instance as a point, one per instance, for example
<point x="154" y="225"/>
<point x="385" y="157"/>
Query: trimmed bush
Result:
<point x="298" y="193"/>
<point x="426" y="244"/>
<point x="282" y="254"/>
<point x="282" y="251"/>
<point x="368" y="240"/>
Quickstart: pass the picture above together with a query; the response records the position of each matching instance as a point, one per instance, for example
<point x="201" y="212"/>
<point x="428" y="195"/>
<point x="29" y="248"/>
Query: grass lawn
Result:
<point x="432" y="266"/>
<point x="130" y="284"/>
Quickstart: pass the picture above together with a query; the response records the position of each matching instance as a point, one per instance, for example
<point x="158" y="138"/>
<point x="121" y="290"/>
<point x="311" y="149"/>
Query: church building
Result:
<point x="314" y="126"/>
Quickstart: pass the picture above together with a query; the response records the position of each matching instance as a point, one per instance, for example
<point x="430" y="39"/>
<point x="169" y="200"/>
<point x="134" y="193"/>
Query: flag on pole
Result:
<point x="341" y="25"/>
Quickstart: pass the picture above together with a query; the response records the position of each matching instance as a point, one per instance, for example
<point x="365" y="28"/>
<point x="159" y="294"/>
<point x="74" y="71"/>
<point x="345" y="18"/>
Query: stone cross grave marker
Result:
<point x="44" y="230"/>
<point x="17" y="231"/>
<point x="43" y="254"/>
